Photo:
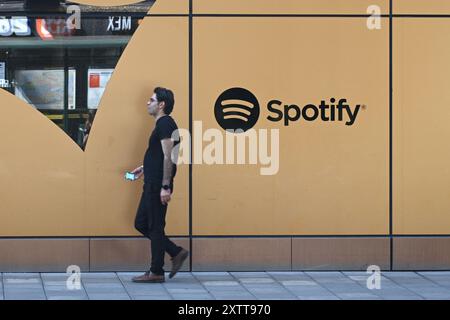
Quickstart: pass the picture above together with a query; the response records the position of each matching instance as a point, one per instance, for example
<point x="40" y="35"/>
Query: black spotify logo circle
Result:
<point x="237" y="109"/>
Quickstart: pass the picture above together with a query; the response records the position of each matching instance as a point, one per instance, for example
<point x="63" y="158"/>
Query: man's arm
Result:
<point x="167" y="146"/>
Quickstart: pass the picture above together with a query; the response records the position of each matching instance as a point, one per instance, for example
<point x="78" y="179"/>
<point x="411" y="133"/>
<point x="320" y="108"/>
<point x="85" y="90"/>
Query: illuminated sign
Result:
<point x="14" y="26"/>
<point x="119" y="24"/>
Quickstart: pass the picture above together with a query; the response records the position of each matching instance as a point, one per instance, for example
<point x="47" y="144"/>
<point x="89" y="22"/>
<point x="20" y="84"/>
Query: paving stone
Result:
<point x="270" y="290"/>
<point x="105" y="296"/>
<point x="306" y="294"/>
<point x="394" y="292"/>
<point x="423" y="292"/>
<point x="442" y="283"/>
<point x="338" y="281"/>
<point x="55" y="283"/>
<point x="161" y="294"/>
<point x="358" y="296"/>
<point x="21" y="281"/>
<point x="106" y="291"/>
<point x="235" y="286"/>
<point x="321" y="297"/>
<point x="1" y="287"/>
<point x="401" y="297"/>
<point x="100" y="275"/>
<point x="231" y="293"/>
<point x="286" y="275"/>
<point x="222" y="296"/>
<point x="62" y="291"/>
<point x="241" y="275"/>
<point x="354" y="273"/>
<point x="67" y="298"/>
<point x="182" y="276"/>
<point x="28" y="296"/>
<point x="277" y="297"/>
<point x="228" y="291"/>
<point x="100" y="281"/>
<point x="152" y="297"/>
<point x="225" y="288"/>
<point x="326" y="281"/>
<point x="183" y="286"/>
<point x="23" y="290"/>
<point x="192" y="297"/>
<point x="347" y="288"/>
<point x="213" y="276"/>
<point x="440" y="280"/>
<point x="418" y="284"/>
<point x="436" y="297"/>
<point x="363" y="280"/>
<point x="127" y="276"/>
<point x="55" y="276"/>
<point x="103" y="285"/>
<point x="428" y="290"/>
<point x="17" y="275"/>
<point x="289" y="283"/>
<point x="65" y="291"/>
<point x="359" y="278"/>
<point x="186" y="291"/>
<point x="400" y="274"/>
<point x="325" y="274"/>
<point x="99" y="278"/>
<point x="436" y="273"/>
<point x="318" y="290"/>
<point x="436" y="289"/>
<point x="221" y="283"/>
<point x="256" y="280"/>
<point x="144" y="286"/>
<point x="145" y="289"/>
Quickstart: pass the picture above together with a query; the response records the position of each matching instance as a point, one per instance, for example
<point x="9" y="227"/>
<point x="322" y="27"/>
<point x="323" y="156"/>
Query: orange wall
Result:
<point x="332" y="180"/>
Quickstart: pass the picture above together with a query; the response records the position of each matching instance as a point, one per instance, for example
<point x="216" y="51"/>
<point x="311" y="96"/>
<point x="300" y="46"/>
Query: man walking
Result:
<point x="159" y="172"/>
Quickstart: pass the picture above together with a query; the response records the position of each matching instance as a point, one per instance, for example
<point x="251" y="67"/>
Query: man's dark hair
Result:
<point x="166" y="95"/>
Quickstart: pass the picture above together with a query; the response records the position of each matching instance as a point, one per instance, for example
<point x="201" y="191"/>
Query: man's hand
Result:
<point x="165" y="196"/>
<point x="138" y="172"/>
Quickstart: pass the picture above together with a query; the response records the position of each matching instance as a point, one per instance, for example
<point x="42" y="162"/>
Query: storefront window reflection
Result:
<point x="63" y="72"/>
<point x="44" y="89"/>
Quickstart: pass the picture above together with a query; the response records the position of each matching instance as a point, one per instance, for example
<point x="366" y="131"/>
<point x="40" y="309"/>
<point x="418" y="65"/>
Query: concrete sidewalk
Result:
<point x="229" y="286"/>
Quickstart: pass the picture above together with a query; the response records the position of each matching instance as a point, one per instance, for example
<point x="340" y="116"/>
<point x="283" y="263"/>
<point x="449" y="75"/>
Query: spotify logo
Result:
<point x="236" y="109"/>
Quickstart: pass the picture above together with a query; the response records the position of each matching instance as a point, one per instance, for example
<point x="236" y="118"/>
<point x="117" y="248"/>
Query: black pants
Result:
<point x="150" y="221"/>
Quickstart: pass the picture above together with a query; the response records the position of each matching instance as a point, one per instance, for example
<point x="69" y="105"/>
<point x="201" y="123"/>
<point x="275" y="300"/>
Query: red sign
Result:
<point x="94" y="80"/>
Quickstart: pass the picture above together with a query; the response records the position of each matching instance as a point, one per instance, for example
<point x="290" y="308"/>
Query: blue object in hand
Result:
<point x="130" y="176"/>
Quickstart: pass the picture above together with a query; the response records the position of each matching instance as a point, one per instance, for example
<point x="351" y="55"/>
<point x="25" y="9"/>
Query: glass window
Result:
<point x="60" y="70"/>
<point x="44" y="89"/>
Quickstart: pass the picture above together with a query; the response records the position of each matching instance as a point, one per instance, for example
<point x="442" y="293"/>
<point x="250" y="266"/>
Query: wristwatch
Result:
<point x="166" y="187"/>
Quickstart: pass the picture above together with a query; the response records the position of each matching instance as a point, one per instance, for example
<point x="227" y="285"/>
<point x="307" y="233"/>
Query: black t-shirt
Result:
<point x="154" y="156"/>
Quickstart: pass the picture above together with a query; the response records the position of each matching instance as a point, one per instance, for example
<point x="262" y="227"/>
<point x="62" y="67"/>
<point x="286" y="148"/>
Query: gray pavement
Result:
<point x="228" y="286"/>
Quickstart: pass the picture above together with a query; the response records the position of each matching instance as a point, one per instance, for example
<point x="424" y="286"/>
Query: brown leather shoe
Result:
<point x="177" y="262"/>
<point x="149" y="277"/>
